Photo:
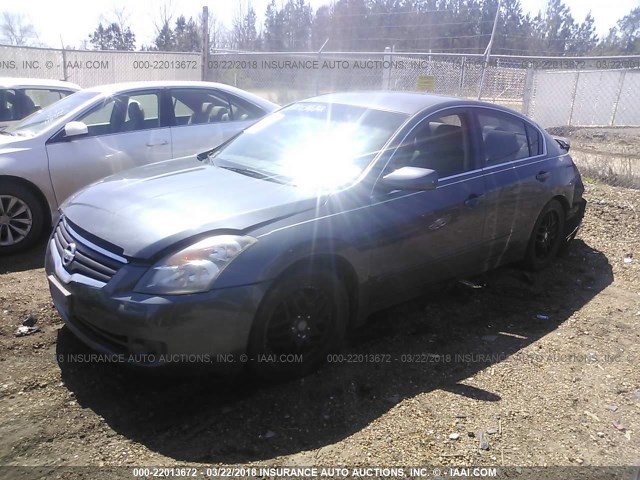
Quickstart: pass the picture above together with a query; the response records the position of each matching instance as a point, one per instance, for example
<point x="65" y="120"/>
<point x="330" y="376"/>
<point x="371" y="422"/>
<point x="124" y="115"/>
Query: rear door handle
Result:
<point x="156" y="144"/>
<point x="473" y="200"/>
<point x="542" y="176"/>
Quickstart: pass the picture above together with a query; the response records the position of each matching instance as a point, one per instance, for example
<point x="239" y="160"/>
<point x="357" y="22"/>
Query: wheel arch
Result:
<point x="562" y="200"/>
<point x="343" y="270"/>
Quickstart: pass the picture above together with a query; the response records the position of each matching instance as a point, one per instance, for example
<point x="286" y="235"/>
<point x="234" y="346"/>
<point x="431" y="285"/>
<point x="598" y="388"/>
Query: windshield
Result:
<point x="38" y="121"/>
<point x="317" y="145"/>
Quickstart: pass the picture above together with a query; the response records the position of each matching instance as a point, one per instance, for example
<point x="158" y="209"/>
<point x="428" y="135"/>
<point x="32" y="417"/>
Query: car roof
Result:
<point x="115" y="88"/>
<point x="408" y="103"/>
<point x="123" y="86"/>
<point x="13" y="82"/>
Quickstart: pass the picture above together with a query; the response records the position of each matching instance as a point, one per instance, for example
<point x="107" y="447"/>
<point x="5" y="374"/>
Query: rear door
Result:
<point x="125" y="131"/>
<point x="206" y="117"/>
<point x="426" y="236"/>
<point x="515" y="178"/>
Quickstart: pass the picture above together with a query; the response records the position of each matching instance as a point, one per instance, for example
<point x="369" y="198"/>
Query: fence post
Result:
<point x="205" y="42"/>
<point x="528" y="92"/>
<point x="65" y="74"/>
<point x="573" y="98"/>
<point x="386" y="72"/>
<point x="463" y="62"/>
<point x="319" y="69"/>
<point x="615" y="105"/>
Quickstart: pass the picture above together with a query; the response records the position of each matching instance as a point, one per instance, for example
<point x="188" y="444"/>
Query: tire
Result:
<point x="546" y="238"/>
<point x="22" y="218"/>
<point x="305" y="314"/>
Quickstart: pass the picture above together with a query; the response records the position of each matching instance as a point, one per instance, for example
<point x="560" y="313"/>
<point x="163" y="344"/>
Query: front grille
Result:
<point x="87" y="260"/>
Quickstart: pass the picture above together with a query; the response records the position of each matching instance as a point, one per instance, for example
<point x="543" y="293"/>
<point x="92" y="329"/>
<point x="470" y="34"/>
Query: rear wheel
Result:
<point x="21" y="218"/>
<point x="547" y="236"/>
<point x="302" y="319"/>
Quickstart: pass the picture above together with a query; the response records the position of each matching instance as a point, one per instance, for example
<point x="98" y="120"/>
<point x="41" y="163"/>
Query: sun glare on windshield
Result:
<point x="318" y="146"/>
<point x="325" y="159"/>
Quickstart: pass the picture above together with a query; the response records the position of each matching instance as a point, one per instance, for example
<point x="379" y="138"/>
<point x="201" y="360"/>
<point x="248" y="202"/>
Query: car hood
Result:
<point x="12" y="143"/>
<point x="148" y="209"/>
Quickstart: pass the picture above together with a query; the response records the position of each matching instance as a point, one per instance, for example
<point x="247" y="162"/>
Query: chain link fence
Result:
<point x="593" y="100"/>
<point x="89" y="68"/>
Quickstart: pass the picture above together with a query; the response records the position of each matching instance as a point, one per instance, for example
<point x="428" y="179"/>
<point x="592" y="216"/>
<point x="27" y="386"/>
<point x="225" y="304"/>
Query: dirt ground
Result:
<point x="542" y="366"/>
<point x="611" y="155"/>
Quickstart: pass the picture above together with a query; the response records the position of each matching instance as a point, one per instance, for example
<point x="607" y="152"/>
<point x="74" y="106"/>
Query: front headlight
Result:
<point x="193" y="269"/>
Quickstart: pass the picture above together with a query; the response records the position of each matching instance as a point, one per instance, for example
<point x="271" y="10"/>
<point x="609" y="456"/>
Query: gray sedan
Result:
<point x="102" y="130"/>
<point x="268" y="248"/>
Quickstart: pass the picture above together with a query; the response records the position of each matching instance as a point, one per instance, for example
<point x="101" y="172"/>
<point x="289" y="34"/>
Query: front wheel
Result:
<point x="302" y="319"/>
<point x="21" y="218"/>
<point x="546" y="238"/>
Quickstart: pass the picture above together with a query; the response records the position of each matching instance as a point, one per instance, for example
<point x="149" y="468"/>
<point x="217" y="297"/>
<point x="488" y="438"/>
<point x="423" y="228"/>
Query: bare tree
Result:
<point x="218" y="34"/>
<point x="165" y="37"/>
<point x="244" y="35"/>
<point x="15" y="29"/>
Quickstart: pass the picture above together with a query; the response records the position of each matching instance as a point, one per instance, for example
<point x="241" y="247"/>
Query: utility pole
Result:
<point x="487" y="52"/>
<point x="205" y="42"/>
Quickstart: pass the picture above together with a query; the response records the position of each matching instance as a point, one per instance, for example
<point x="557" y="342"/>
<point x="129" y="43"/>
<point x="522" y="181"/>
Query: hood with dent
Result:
<point x="147" y="209"/>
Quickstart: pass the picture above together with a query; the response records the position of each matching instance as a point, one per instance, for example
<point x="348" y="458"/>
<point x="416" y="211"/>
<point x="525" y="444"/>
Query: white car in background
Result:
<point x="102" y="130"/>
<point x="20" y="97"/>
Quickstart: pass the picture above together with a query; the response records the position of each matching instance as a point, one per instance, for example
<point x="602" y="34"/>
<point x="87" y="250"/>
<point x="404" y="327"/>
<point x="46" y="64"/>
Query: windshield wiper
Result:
<point x="251" y="173"/>
<point x="206" y="154"/>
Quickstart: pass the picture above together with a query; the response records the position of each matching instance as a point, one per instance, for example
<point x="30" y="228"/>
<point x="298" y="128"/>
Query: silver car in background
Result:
<point x="103" y="130"/>
<point x="20" y="97"/>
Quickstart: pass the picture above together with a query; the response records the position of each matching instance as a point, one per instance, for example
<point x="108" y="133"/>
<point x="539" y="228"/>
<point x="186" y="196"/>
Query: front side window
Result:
<point x="311" y="144"/>
<point x="123" y="113"/>
<point x="504" y="138"/>
<point x="439" y="143"/>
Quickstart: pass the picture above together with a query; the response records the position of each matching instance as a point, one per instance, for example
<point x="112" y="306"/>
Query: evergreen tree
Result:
<point x="112" y="38"/>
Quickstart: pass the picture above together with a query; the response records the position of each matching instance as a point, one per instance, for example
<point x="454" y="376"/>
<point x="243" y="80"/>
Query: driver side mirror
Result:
<point x="411" y="178"/>
<point x="75" y="129"/>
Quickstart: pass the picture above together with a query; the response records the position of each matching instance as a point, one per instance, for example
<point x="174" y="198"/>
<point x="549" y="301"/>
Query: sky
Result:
<point x="71" y="21"/>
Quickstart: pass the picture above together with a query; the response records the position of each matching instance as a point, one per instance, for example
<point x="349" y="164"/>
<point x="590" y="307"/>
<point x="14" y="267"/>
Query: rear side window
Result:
<point x="16" y="104"/>
<point x="200" y="106"/>
<point x="504" y="137"/>
<point x="8" y="106"/>
<point x="242" y="110"/>
<point x="534" y="139"/>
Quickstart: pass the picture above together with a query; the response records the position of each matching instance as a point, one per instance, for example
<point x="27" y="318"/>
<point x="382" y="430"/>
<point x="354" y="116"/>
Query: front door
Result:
<point x="124" y="131"/>
<point x="427" y="236"/>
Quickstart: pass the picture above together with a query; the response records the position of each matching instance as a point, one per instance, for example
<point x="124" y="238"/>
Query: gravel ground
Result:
<point x="541" y="369"/>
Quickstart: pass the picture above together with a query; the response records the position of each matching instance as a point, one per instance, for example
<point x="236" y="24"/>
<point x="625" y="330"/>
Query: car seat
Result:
<point x="136" y="117"/>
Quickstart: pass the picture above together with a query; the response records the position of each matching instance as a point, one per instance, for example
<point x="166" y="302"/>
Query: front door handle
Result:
<point x="156" y="144"/>
<point x="542" y="176"/>
<point x="473" y="200"/>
